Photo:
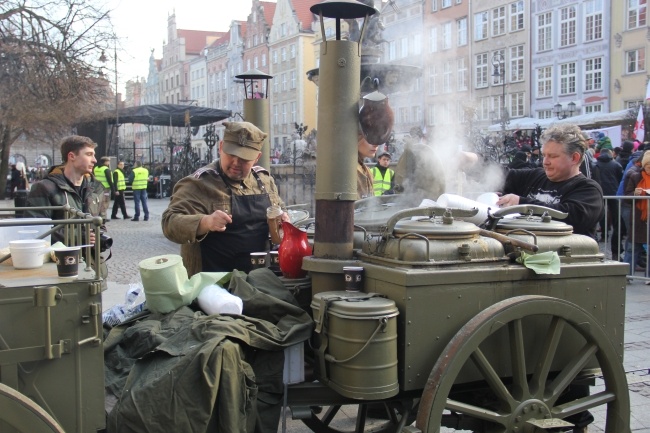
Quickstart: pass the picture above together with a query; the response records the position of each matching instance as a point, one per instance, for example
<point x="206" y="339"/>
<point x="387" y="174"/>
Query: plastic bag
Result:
<point x="134" y="303"/>
<point x="542" y="263"/>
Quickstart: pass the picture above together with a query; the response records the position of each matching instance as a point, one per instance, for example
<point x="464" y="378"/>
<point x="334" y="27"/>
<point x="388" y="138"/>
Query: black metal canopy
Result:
<point x="167" y="114"/>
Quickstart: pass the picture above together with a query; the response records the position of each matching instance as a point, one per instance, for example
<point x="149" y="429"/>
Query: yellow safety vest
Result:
<point x="121" y="182"/>
<point x="100" y="174"/>
<point x="140" y="178"/>
<point x="381" y="184"/>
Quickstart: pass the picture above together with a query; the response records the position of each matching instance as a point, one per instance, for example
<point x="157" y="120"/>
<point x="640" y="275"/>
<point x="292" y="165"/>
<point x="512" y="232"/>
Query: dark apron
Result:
<point x="248" y="233"/>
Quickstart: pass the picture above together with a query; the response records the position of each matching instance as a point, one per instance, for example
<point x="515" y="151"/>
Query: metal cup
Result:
<point x="258" y="260"/>
<point x="274" y="219"/>
<point x="353" y="278"/>
<point x="274" y="259"/>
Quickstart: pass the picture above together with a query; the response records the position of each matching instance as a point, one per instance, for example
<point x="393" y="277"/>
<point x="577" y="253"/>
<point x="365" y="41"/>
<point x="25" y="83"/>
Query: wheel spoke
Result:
<point x="475" y="411"/>
<point x="583" y="404"/>
<point x="330" y="414"/>
<point x="570" y="371"/>
<point x="518" y="360"/>
<point x="361" y="418"/>
<point x="492" y="378"/>
<point x="548" y="354"/>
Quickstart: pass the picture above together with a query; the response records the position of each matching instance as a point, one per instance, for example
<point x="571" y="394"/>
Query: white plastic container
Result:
<point x="8" y="234"/>
<point x="27" y="253"/>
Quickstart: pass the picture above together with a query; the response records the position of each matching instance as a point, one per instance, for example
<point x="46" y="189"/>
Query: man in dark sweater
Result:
<point x="559" y="184"/>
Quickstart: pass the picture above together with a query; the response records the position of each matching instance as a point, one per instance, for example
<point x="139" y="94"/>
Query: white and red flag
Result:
<point x="639" y="128"/>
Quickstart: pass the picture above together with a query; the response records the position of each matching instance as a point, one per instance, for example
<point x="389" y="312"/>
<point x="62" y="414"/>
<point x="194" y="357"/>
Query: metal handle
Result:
<point x="95" y="310"/>
<point x="411" y="235"/>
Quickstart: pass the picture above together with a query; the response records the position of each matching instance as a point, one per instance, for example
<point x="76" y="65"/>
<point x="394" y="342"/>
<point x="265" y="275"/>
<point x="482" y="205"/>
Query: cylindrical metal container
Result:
<point x="357" y="356"/>
<point x="256" y="111"/>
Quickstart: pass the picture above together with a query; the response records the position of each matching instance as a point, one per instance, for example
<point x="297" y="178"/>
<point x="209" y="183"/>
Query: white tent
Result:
<point x="583" y="120"/>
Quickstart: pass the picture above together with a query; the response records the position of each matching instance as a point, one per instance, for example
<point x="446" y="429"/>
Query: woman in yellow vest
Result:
<point x="383" y="178"/>
<point x="102" y="173"/>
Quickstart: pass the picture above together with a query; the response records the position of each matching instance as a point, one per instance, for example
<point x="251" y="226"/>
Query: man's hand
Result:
<point x="215" y="222"/>
<point x="285" y="217"/>
<point x="508" y="200"/>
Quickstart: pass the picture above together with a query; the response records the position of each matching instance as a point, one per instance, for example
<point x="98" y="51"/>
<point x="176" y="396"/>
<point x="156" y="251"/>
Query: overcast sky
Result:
<point x="142" y="25"/>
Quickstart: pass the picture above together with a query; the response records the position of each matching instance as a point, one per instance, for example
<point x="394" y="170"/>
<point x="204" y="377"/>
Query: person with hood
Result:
<point x="71" y="183"/>
<point x="611" y="174"/>
<point x="604" y="142"/>
<point x="520" y="160"/>
<point x="624" y="155"/>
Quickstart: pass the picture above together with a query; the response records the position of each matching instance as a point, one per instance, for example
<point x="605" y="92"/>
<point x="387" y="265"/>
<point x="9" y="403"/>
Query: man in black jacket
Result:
<point x="559" y="184"/>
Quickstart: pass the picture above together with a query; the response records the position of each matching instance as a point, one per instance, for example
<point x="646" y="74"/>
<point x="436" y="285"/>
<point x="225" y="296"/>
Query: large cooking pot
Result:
<point x="422" y="235"/>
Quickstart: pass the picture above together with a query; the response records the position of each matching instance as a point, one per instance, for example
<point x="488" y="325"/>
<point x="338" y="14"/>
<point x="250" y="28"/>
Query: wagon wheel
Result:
<point x="23" y="414"/>
<point x="395" y="414"/>
<point x="512" y="405"/>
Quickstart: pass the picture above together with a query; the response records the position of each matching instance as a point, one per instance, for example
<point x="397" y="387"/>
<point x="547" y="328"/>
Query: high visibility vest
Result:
<point x="381" y="184"/>
<point x="121" y="182"/>
<point x="140" y="178"/>
<point x="100" y="174"/>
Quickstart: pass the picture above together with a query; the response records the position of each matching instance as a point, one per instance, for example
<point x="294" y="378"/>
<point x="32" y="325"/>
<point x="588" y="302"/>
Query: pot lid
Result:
<point x="535" y="224"/>
<point x="372" y="213"/>
<point x="436" y="227"/>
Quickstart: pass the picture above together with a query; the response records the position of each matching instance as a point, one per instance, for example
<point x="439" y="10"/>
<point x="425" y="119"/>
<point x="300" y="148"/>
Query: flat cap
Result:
<point x="243" y="140"/>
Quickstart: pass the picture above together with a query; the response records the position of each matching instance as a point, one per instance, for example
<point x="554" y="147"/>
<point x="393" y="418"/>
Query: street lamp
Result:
<point x="499" y="65"/>
<point x="563" y="113"/>
<point x="256" y="106"/>
<point x="104" y="59"/>
<point x="211" y="139"/>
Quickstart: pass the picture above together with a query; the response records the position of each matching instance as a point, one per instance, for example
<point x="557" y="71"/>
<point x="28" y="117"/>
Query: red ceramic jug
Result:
<point x="293" y="248"/>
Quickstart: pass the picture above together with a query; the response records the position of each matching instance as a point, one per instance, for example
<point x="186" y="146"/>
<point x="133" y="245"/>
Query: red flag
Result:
<point x="639" y="131"/>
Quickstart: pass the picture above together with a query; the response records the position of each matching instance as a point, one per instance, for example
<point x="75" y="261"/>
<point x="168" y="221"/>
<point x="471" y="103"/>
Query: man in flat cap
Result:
<point x="218" y="213"/>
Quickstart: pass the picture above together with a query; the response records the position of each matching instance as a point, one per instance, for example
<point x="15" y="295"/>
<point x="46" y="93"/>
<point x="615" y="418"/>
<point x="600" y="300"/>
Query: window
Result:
<point x="496" y="104"/>
<point x="461" y="32"/>
<point x="284" y="113"/>
<point x="293" y="79"/>
<point x="462" y="82"/>
<point x="283" y="29"/>
<point x="248" y="64"/>
<point x="593" y="20"/>
<point x="274" y="54"/>
<point x="635" y="60"/>
<point x="567" y="78"/>
<point x="292" y="48"/>
<point x="484" y="109"/>
<point x="517" y="16"/>
<point x="481" y="70"/>
<point x="567" y="26"/>
<point x="446" y="77"/>
<point x="595" y="108"/>
<point x="263" y="59"/>
<point x="517" y="104"/>
<point x="416" y="114"/>
<point x="446" y="36"/>
<point x="593" y="74"/>
<point x="283" y="54"/>
<point x="403" y="115"/>
<point x="431" y="117"/>
<point x="481" y="26"/>
<point x="254" y="40"/>
<point x="416" y="41"/>
<point x="293" y="113"/>
<point x="284" y="82"/>
<point x="404" y="47"/>
<point x="636" y="13"/>
<point x="446" y="4"/>
<point x="433" y="80"/>
<point x="499" y="21"/>
<point x="545" y="82"/>
<point x="276" y="86"/>
<point x="433" y="40"/>
<point x="517" y="63"/>
<point x="434" y="5"/>
<point x="545" y="31"/>
<point x="392" y="50"/>
<point x="545" y="114"/>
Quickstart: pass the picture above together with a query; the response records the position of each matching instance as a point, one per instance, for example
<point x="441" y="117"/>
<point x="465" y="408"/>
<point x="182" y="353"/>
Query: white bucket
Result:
<point x="27" y="253"/>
